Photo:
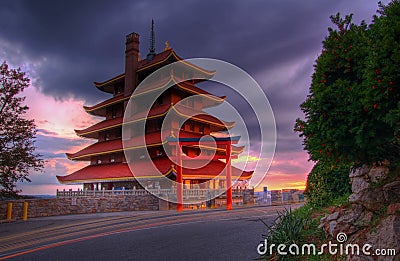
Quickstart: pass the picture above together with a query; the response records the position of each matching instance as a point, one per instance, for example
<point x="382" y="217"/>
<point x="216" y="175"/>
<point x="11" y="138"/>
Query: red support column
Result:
<point x="179" y="180"/>
<point x="228" y="177"/>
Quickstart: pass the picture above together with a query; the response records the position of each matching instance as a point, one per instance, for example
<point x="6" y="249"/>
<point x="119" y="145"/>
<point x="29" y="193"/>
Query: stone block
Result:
<point x="378" y="173"/>
<point x="386" y="235"/>
<point x="332" y="216"/>
<point x="362" y="171"/>
<point x="371" y="199"/>
<point x="392" y="191"/>
<point x="358" y="184"/>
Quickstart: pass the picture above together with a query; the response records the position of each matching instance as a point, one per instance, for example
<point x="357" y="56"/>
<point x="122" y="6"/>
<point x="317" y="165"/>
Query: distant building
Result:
<point x="276" y="197"/>
<point x="286" y="196"/>
<point x="263" y="197"/>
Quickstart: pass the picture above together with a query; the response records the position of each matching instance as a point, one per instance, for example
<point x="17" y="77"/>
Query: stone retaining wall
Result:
<point x="373" y="217"/>
<point x="80" y="205"/>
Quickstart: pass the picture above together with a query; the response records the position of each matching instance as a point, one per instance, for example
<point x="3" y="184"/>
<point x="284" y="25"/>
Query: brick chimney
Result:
<point x="131" y="62"/>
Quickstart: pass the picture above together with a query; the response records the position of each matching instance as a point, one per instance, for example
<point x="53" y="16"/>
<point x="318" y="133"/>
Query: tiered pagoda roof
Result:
<point x="158" y="112"/>
<point x="120" y="171"/>
<point x="112" y="146"/>
<point x="166" y="57"/>
<point x="99" y="109"/>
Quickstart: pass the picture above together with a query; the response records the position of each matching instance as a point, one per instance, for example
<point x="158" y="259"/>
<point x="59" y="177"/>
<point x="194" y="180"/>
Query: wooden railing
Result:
<point x="187" y="193"/>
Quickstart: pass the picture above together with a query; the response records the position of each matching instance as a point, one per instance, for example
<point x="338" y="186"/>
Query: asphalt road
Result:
<point x="162" y="235"/>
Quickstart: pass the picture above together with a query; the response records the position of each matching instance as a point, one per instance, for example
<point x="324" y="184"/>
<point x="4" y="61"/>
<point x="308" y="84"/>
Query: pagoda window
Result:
<point x="118" y="89"/>
<point x="118" y="133"/>
<point x="112" y="158"/>
<point x="201" y="129"/>
<point x="159" y="153"/>
<point x="153" y="125"/>
<point x="191" y="125"/>
<point x="113" y="112"/>
<point x="98" y="161"/>
<point x="160" y="100"/>
<point x="107" y="136"/>
<point x="159" y="124"/>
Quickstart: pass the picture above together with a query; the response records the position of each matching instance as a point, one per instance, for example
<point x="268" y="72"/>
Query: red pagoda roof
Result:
<point x="183" y="111"/>
<point x="121" y="172"/>
<point x="214" y="168"/>
<point x="204" y="117"/>
<point x="156" y="112"/>
<point x="111" y="172"/>
<point x="92" y="131"/>
<point x="157" y="60"/>
<point x="97" y="148"/>
<point x="98" y="109"/>
<point x="112" y="146"/>
<point x="185" y="85"/>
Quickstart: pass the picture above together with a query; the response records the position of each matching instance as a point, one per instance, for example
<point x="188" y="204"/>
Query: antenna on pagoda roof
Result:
<point x="152" y="49"/>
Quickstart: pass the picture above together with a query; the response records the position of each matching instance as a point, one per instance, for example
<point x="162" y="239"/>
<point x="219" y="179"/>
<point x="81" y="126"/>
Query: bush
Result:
<point x="325" y="183"/>
<point x="352" y="114"/>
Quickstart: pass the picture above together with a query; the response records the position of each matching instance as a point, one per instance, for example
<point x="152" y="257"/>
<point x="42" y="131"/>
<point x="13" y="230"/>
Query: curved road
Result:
<point x="161" y="235"/>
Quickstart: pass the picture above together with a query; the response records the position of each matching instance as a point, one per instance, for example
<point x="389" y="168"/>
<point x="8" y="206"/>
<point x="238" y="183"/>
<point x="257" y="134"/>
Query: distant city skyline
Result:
<point x="66" y="46"/>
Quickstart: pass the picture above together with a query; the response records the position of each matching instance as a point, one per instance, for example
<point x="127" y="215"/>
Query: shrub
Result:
<point x="352" y="114"/>
<point x="325" y="183"/>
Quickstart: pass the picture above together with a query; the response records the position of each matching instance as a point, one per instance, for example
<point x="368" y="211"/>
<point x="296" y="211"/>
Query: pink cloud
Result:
<point x="56" y="116"/>
<point x="58" y="119"/>
<point x="46" y="182"/>
<point x="288" y="170"/>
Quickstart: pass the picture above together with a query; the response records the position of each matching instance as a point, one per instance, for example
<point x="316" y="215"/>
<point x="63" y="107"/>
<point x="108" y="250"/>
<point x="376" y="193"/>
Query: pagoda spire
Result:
<point x="152" y="49"/>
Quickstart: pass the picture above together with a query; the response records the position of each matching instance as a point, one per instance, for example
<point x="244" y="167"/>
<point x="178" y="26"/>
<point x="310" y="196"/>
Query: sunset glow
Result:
<point x="63" y="53"/>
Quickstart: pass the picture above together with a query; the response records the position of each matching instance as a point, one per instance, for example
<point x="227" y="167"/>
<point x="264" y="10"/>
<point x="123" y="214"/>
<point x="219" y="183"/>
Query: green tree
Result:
<point x="17" y="134"/>
<point x="352" y="111"/>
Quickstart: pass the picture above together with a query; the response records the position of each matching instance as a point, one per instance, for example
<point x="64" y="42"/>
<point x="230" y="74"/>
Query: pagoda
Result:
<point x="109" y="169"/>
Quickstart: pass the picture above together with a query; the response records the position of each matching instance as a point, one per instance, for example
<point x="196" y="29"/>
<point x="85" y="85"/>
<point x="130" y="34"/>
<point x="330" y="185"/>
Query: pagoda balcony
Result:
<point x="188" y="194"/>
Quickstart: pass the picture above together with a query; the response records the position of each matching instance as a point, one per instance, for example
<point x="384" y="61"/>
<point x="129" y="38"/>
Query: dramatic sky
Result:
<point x="66" y="45"/>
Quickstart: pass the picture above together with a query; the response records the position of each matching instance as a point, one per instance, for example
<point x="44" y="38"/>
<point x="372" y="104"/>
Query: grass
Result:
<point x="300" y="226"/>
<point x="342" y="201"/>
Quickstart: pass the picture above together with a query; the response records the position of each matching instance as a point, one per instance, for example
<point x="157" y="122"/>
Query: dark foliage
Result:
<point x="17" y="134"/>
